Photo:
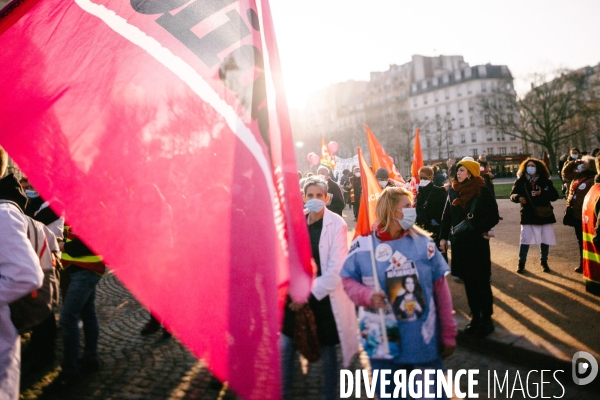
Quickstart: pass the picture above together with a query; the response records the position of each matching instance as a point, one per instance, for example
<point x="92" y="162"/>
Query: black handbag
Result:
<point x="569" y="218"/>
<point x="465" y="226"/>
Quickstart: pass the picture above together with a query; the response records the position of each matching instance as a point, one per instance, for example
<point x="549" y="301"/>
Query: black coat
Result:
<point x="522" y="188"/>
<point x="431" y="200"/>
<point x="471" y="255"/>
<point x="337" y="198"/>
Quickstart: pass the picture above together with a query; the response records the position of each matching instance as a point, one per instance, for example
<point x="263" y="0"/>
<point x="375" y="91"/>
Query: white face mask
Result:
<point x="424" y="182"/>
<point x="357" y="174"/>
<point x="324" y="177"/>
<point x="574" y="156"/>
<point x="531" y="170"/>
<point x="383" y="184"/>
<point x="409" y="219"/>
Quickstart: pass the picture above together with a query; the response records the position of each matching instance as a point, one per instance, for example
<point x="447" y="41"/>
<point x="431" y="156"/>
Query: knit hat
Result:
<point x="470" y="164"/>
<point x="382" y="174"/>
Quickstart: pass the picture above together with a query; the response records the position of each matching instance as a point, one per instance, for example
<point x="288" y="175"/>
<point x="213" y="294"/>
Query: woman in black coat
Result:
<point x="471" y="259"/>
<point x="534" y="190"/>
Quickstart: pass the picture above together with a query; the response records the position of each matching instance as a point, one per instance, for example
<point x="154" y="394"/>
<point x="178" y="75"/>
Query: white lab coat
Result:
<point x="333" y="249"/>
<point x="20" y="273"/>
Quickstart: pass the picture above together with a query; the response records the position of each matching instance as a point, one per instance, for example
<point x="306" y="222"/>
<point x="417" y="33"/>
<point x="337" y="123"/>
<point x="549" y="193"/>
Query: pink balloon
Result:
<point x="314" y="159"/>
<point x="309" y="156"/>
<point x="332" y="147"/>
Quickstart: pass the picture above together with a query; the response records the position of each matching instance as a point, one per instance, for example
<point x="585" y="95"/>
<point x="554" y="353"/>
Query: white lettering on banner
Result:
<point x="344" y="163"/>
<point x="432" y="383"/>
<point x="374" y="197"/>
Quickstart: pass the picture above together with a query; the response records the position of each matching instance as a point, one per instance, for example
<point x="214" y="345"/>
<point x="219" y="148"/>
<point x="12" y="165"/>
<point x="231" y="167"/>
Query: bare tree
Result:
<point x="549" y="115"/>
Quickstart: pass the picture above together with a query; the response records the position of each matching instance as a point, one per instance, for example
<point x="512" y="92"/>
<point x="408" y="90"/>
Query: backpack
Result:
<point x="32" y="309"/>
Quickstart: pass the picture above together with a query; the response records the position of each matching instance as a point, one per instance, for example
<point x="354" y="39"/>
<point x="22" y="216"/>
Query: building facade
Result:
<point x="446" y="108"/>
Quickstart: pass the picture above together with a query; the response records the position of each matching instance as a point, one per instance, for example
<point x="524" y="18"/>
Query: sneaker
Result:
<point x="545" y="267"/>
<point x="87" y="365"/>
<point x="485" y="328"/>
<point x="521" y="268"/>
<point x="151" y="326"/>
<point x="61" y="383"/>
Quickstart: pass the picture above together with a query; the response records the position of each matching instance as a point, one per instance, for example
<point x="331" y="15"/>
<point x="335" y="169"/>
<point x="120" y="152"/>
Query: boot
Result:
<point x="151" y="326"/>
<point x="473" y="326"/>
<point x="521" y="268"/>
<point x="545" y="267"/>
<point x="485" y="328"/>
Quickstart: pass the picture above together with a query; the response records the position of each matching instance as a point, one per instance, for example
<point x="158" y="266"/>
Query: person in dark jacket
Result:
<point x="431" y="200"/>
<point x="337" y="199"/>
<point x="569" y="169"/>
<point x="580" y="186"/>
<point x="383" y="178"/>
<point x="471" y="259"/>
<point x="439" y="175"/>
<point x="356" y="187"/>
<point x="534" y="190"/>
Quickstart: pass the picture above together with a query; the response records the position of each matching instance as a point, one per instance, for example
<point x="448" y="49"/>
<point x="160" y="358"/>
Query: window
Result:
<point x="424" y="85"/>
<point x="449" y="124"/>
<point x="473" y="137"/>
<point x="436" y="96"/>
<point x="484" y="87"/>
<point x="425" y="99"/>
<point x="414" y="87"/>
<point x="472" y="119"/>
<point x="474" y="153"/>
<point x="467" y="73"/>
<point x="458" y="91"/>
<point x="471" y="104"/>
<point x="435" y="81"/>
<point x="469" y="88"/>
<point x="450" y="139"/>
<point x="451" y="154"/>
<point x="428" y="142"/>
<point x="482" y="71"/>
<point x="462" y="138"/>
<point x="498" y="137"/>
<point x="488" y="136"/>
<point x="445" y="78"/>
<point x="457" y="75"/>
<point x="461" y="122"/>
<point x="438" y="111"/>
<point x="512" y="137"/>
<point x="513" y="149"/>
<point x="487" y="119"/>
<point x="502" y="151"/>
<point x="460" y="107"/>
<point x="511" y="118"/>
<point x="415" y="102"/>
<point x="490" y="150"/>
<point x="447" y="94"/>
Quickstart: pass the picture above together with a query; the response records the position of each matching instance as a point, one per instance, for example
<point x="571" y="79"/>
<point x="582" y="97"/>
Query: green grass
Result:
<point x="503" y="189"/>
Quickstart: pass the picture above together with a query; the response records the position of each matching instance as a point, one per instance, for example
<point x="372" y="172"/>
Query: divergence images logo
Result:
<point x="584" y="364"/>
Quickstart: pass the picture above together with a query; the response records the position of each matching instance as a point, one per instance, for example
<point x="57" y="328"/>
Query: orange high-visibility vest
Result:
<point x="591" y="254"/>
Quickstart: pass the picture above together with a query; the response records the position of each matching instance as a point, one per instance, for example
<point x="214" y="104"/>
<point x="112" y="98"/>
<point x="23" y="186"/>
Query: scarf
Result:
<point x="467" y="190"/>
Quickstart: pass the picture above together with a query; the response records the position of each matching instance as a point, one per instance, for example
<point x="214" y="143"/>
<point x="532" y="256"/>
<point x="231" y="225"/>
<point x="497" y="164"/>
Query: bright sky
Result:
<point x="327" y="41"/>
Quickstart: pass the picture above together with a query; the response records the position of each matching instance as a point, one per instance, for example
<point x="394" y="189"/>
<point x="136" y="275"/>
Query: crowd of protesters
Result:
<point x="387" y="291"/>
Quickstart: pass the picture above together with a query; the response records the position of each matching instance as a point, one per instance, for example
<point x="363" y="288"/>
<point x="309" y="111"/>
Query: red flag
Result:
<point x="368" y="202"/>
<point x="380" y="159"/>
<point x="327" y="159"/>
<point x="416" y="164"/>
<point x="149" y="121"/>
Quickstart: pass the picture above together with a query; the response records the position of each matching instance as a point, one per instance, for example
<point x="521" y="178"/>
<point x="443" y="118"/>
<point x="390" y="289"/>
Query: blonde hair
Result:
<point x="386" y="208"/>
<point x="3" y="161"/>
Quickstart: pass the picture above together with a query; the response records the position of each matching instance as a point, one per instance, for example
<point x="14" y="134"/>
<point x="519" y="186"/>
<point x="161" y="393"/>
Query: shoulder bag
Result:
<point x="540" y="211"/>
<point x="458" y="231"/>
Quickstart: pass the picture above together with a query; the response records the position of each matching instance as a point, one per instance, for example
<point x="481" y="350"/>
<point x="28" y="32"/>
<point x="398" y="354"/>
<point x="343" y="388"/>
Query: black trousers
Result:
<point x="579" y="234"/>
<point x="479" y="296"/>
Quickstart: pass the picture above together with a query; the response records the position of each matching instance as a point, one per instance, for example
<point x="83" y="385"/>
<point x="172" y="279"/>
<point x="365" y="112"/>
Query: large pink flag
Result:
<point x="149" y="120"/>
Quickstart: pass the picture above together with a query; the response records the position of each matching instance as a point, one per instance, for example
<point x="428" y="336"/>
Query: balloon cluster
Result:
<point x="314" y="159"/>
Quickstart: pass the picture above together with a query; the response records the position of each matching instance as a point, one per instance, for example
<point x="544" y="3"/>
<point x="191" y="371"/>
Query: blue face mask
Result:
<point x="314" y="205"/>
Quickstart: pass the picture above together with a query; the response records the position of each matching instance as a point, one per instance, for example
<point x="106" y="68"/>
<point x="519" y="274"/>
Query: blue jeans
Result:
<point x="394" y="366"/>
<point x="330" y="368"/>
<point x="78" y="303"/>
<point x="524" y="249"/>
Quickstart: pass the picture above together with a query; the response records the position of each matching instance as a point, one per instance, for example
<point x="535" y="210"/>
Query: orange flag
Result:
<point x="417" y="163"/>
<point x="370" y="193"/>
<point x="380" y="159"/>
<point x="327" y="159"/>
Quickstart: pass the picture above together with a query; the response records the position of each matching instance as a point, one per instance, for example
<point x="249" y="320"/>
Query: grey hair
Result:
<point x="589" y="163"/>
<point x="315" y="181"/>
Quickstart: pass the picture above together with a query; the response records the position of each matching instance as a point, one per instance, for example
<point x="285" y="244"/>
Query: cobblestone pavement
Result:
<point x="151" y="367"/>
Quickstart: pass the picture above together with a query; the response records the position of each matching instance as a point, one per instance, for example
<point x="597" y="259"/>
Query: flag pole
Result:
<point x="365" y="210"/>
<point x="384" y="335"/>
